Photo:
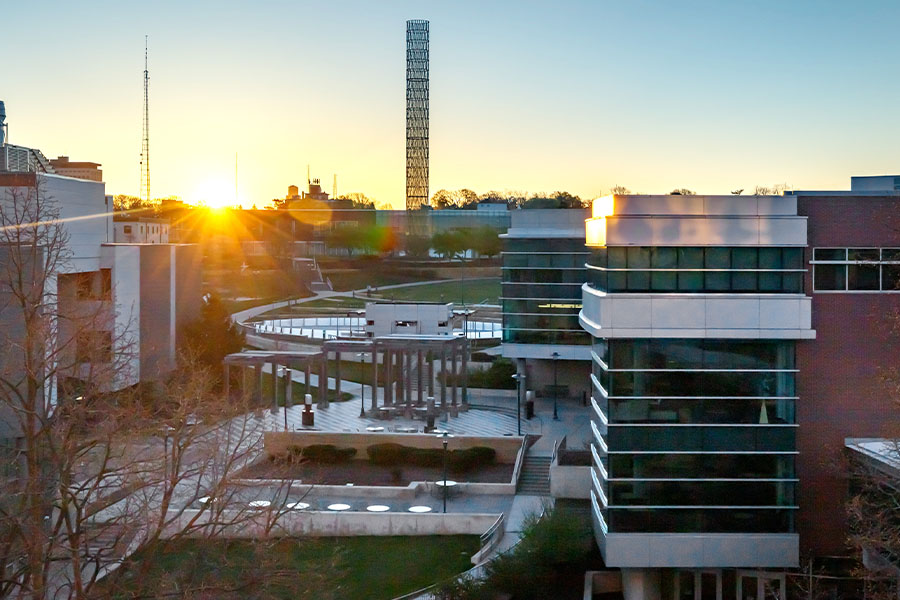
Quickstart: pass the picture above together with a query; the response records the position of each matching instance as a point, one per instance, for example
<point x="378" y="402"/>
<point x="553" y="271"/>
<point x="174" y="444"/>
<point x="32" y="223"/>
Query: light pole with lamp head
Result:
<point x="555" y="356"/>
<point x="445" y="440"/>
<point x="520" y="378"/>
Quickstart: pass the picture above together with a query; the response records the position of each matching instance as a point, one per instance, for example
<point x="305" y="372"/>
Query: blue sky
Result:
<point x="526" y="96"/>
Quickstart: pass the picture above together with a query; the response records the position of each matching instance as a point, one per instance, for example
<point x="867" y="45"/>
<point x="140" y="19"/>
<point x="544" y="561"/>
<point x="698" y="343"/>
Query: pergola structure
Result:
<point x="406" y="363"/>
<point x="254" y="360"/>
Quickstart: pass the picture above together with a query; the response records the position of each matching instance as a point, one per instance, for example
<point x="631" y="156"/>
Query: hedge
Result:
<point x="391" y="455"/>
<point x="323" y="453"/>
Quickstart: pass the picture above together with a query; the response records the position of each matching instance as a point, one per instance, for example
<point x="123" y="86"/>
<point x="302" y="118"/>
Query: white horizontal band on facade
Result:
<point x="713" y="479"/>
<point x="705" y="231"/>
<point x="658" y="397"/>
<point x="598" y="386"/>
<point x="608" y="370"/>
<point x="710" y="452"/>
<point x="591" y="267"/>
<point x="599" y="412"/>
<point x="683" y="425"/>
<point x="705" y="506"/>
<point x="598" y="514"/>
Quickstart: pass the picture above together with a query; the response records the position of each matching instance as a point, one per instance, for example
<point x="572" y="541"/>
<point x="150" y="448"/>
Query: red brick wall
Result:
<point x="840" y="384"/>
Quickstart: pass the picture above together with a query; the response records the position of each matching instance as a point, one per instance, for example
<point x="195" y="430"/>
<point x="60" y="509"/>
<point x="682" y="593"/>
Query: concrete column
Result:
<point x="288" y="388"/>
<point x="641" y="584"/>
<point x="337" y="375"/>
<point x="401" y="379"/>
<point x="323" y="381"/>
<point x="388" y="378"/>
<point x="453" y="353"/>
<point x="419" y="366"/>
<point x="257" y="386"/>
<point x="409" y="367"/>
<point x="374" y="376"/>
<point x="430" y="359"/>
<point x="275" y="366"/>
<point x="465" y="375"/>
<point x="443" y="379"/>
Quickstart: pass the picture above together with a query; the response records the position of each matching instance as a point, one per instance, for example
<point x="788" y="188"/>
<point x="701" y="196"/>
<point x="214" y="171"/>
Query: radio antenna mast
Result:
<point x="145" y="138"/>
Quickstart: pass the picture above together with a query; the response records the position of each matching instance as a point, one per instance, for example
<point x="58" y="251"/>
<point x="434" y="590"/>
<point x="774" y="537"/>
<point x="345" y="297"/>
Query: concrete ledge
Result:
<point x="276" y="442"/>
<point x="331" y="524"/>
<point x="769" y="550"/>
<point x="570" y="482"/>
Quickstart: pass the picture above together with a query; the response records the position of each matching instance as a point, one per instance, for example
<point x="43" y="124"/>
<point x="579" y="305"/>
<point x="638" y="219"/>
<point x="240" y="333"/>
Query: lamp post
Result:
<point x="281" y="372"/>
<point x="555" y="356"/>
<point x="445" y="440"/>
<point x="362" y="385"/>
<point x="519" y="377"/>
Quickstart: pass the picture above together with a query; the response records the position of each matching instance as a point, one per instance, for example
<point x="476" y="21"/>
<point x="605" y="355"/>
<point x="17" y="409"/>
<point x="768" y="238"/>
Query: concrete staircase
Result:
<point x="534" y="479"/>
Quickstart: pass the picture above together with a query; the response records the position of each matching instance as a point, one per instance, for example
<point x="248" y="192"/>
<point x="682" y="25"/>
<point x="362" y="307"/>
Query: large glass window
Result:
<point x="700" y="354"/>
<point x="701" y="493"/>
<point x="701" y="520"/>
<point x="697" y="269"/>
<point x="761" y="438"/>
<point x="697" y="466"/>
<point x="856" y="269"/>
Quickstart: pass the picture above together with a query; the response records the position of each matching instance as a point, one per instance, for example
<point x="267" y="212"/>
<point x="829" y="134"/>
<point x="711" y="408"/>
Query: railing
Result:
<point x="489" y="539"/>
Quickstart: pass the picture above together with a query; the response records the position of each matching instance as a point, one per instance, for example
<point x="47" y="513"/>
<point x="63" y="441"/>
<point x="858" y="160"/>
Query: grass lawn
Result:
<point x="304" y="568"/>
<point x="298" y="390"/>
<point x="474" y="291"/>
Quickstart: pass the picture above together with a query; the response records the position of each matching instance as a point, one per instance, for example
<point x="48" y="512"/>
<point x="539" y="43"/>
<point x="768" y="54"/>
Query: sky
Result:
<point x="525" y="96"/>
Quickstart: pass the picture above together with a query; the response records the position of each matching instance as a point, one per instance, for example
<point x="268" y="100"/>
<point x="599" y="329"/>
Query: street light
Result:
<point x="445" y="440"/>
<point x="362" y="385"/>
<point x="281" y="372"/>
<point x="555" y="356"/>
<point x="520" y="378"/>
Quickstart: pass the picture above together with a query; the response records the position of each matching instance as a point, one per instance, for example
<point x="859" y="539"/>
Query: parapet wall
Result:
<point x="277" y="442"/>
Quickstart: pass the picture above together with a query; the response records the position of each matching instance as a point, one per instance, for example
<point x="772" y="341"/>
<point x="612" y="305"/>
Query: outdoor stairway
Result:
<point x="534" y="479"/>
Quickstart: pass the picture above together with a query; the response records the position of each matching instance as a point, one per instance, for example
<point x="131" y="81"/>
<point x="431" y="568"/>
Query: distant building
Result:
<point x="143" y="230"/>
<point x="79" y="170"/>
<point x="543" y="270"/>
<point x="420" y="318"/>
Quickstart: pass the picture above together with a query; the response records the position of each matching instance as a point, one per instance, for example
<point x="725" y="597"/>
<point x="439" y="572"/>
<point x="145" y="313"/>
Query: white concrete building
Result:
<point x="141" y="231"/>
<point x="386" y="318"/>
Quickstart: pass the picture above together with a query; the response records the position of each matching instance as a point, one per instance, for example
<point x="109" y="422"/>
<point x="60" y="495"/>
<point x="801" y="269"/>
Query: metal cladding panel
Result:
<point x="700" y="550"/>
<point x="750" y="316"/>
<point x="705" y="231"/>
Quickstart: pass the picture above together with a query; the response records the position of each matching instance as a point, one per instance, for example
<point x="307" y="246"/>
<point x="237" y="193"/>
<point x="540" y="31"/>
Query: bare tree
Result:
<point x="90" y="472"/>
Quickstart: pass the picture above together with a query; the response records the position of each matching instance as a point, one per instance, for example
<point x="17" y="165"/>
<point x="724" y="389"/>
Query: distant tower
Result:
<point x="416" y="114"/>
<point x="145" y="138"/>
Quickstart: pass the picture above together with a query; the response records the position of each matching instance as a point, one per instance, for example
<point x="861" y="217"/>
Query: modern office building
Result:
<point x="697" y="308"/>
<point x="544" y="257"/>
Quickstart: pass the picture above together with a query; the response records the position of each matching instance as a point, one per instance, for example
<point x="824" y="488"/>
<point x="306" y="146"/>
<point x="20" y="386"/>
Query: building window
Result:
<point x="856" y="269"/>
<point x="127" y="229"/>
<point x="697" y="269"/>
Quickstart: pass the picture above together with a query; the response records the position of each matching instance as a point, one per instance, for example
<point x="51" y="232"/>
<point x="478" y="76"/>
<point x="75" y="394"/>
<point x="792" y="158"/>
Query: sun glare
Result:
<point x="215" y="193"/>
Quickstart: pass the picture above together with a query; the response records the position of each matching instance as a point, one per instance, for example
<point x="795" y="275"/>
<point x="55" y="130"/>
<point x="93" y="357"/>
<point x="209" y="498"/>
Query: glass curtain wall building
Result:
<point x="544" y="258"/>
<point x="695" y="305"/>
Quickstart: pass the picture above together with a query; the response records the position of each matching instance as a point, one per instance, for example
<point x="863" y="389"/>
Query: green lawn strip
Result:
<point x="474" y="291"/>
<point x="351" y="567"/>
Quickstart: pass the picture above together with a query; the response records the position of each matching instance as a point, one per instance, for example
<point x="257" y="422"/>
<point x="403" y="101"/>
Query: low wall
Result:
<point x="602" y="582"/>
<point x="570" y="482"/>
<point x="276" y="442"/>
<point x="333" y="524"/>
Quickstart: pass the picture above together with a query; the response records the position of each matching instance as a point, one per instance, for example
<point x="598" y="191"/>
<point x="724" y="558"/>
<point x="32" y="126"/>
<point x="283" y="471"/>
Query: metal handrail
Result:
<point x="487" y="535"/>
